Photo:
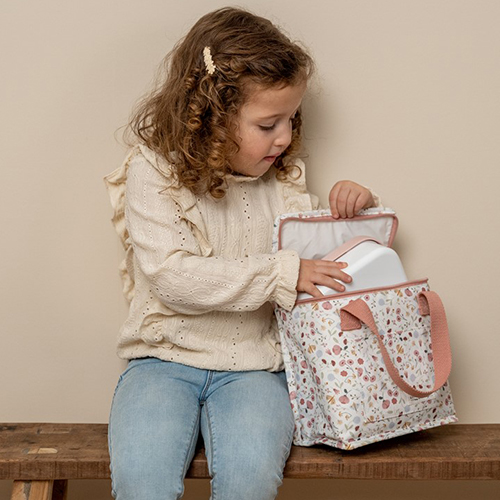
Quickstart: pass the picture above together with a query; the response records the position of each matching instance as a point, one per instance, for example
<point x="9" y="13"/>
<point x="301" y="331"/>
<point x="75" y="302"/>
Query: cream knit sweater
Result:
<point x="198" y="272"/>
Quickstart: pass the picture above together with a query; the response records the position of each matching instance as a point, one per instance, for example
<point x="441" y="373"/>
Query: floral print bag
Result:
<point x="367" y="365"/>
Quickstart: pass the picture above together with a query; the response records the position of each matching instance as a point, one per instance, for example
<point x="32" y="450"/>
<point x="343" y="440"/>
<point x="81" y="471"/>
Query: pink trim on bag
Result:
<point x="357" y="312"/>
<point x="329" y="218"/>
<point x="348" y="245"/>
<point x="341" y="295"/>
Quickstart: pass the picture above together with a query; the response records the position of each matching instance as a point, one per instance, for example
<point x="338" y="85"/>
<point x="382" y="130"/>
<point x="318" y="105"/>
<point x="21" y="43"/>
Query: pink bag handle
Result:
<point x="358" y="311"/>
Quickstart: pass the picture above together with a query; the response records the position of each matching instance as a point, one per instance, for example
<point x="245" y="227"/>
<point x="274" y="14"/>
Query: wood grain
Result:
<point x="32" y="490"/>
<point x="80" y="451"/>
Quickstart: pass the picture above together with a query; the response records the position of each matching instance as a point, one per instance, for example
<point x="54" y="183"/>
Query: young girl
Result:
<point x="194" y="206"/>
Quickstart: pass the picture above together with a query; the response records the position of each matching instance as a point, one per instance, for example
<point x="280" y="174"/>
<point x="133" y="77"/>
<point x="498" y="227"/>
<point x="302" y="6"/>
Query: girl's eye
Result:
<point x="267" y="128"/>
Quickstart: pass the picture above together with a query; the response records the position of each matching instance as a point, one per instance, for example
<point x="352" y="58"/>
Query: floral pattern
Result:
<point x="340" y="391"/>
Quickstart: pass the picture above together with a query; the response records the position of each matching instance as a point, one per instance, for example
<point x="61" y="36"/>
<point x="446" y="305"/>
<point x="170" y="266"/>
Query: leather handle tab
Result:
<point x="357" y="313"/>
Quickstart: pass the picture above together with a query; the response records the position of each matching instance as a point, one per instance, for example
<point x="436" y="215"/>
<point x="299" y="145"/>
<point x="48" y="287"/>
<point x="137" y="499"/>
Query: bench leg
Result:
<point x="60" y="490"/>
<point x="32" y="490"/>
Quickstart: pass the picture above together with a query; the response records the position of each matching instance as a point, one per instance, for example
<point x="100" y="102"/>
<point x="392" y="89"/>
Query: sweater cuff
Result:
<point x="285" y="294"/>
<point x="376" y="198"/>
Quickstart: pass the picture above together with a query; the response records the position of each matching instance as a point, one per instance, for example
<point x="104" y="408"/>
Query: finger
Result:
<point x="361" y="201"/>
<point x="351" y="203"/>
<point x="332" y="272"/>
<point x="340" y="275"/>
<point x="342" y="202"/>
<point x="333" y="284"/>
<point x="337" y="263"/>
<point x="314" y="291"/>
<point x="333" y="200"/>
<point x="340" y="265"/>
<point x="332" y="281"/>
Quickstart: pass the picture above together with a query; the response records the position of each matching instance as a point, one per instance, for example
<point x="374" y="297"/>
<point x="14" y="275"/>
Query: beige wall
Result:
<point x="406" y="102"/>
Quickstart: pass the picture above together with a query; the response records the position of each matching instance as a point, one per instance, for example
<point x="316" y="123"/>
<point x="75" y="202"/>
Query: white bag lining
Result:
<point x="315" y="237"/>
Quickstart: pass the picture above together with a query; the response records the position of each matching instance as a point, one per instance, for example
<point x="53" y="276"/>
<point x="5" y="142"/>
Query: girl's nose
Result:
<point x="284" y="138"/>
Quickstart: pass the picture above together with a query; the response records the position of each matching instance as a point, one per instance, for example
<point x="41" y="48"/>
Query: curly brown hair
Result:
<point x="187" y="118"/>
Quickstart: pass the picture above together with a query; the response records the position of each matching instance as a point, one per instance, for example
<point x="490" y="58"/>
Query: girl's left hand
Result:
<point x="347" y="198"/>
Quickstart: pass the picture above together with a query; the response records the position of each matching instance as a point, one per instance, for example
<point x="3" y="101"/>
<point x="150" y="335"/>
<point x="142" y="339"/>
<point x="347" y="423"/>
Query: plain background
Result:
<point x="406" y="101"/>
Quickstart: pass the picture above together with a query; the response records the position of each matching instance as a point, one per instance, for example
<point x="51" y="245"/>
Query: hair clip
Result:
<point x="209" y="63"/>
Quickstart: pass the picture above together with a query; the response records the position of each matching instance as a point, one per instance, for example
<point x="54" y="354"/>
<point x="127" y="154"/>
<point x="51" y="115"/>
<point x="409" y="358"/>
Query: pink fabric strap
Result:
<point x="357" y="312"/>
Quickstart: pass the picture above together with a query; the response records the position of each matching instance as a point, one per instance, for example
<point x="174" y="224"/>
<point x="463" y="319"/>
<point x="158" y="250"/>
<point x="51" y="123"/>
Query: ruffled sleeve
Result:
<point x="115" y="184"/>
<point x="295" y="194"/>
<point x="183" y="197"/>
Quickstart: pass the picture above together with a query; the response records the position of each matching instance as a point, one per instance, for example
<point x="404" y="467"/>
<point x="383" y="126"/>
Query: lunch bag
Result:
<point x="367" y="364"/>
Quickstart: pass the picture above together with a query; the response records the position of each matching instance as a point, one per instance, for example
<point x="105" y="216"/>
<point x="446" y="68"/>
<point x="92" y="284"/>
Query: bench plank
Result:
<point x="46" y="451"/>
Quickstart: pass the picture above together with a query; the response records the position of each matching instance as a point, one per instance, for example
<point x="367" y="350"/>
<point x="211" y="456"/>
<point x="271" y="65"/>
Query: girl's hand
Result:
<point x="347" y="198"/>
<point x="321" y="272"/>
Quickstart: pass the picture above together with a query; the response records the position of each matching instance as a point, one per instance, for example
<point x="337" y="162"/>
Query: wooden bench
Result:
<point x="41" y="457"/>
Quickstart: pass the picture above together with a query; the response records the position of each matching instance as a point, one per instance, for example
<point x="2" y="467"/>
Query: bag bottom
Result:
<point x="352" y="444"/>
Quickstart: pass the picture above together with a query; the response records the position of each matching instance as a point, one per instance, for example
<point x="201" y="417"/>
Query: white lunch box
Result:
<point x="363" y="242"/>
<point x="369" y="263"/>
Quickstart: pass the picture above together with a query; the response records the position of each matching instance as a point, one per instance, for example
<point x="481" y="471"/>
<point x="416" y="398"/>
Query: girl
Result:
<point x="194" y="206"/>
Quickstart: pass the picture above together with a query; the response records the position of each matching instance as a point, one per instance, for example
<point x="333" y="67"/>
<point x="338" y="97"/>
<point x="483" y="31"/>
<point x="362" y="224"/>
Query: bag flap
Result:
<point x="316" y="233"/>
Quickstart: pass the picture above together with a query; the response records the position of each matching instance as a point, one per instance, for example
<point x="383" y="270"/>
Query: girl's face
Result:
<point x="263" y="127"/>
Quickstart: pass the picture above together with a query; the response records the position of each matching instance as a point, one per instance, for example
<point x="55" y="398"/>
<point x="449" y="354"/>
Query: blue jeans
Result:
<point x="158" y="411"/>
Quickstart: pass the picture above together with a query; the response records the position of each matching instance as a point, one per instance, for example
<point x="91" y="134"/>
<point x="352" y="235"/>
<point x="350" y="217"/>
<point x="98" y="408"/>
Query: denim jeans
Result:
<point x="158" y="411"/>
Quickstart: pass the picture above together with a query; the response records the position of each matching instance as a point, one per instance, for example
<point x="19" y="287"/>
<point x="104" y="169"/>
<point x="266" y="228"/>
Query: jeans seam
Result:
<point x="208" y="381"/>
<point x="113" y="491"/>
<point x="193" y="433"/>
<point x="212" y="447"/>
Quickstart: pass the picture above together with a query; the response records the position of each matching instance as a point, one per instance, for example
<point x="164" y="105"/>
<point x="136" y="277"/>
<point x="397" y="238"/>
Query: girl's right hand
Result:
<point x="321" y="272"/>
